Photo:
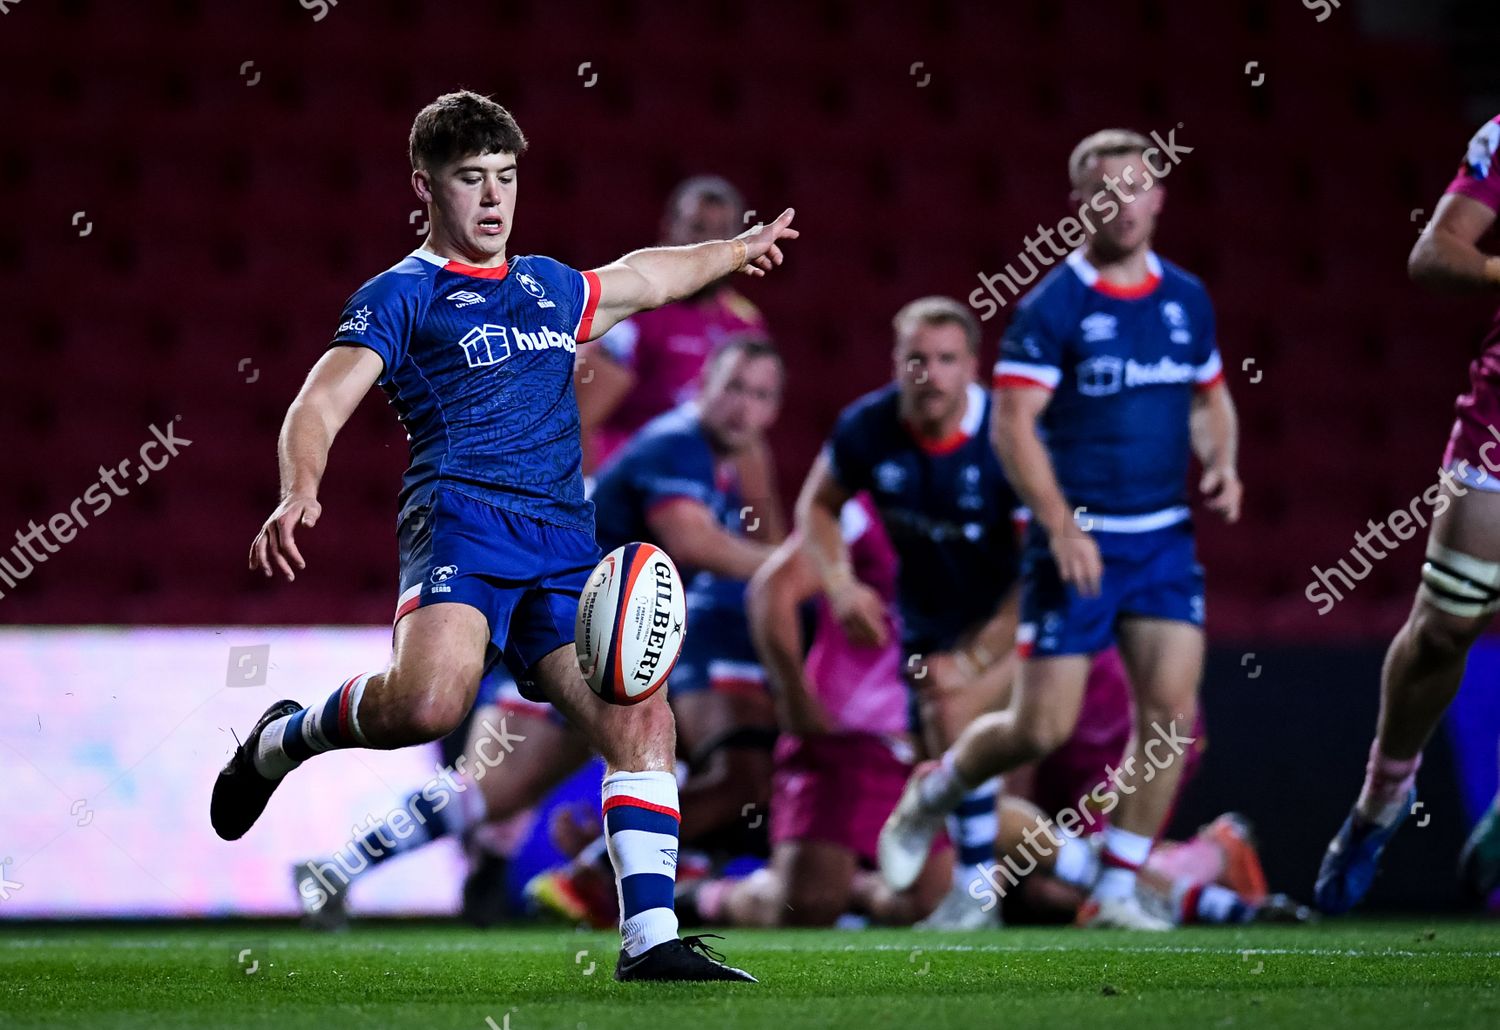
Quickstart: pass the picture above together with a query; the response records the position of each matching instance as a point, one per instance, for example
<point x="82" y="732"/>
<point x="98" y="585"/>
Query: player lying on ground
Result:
<point x="1044" y="873"/>
<point x="475" y="352"/>
<point x="842" y="758"/>
<point x="1460" y="590"/>
<point x="1108" y="373"/>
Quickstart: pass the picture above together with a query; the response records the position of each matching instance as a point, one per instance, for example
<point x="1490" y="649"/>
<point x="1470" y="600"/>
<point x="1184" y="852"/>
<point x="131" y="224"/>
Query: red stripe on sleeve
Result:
<point x="590" y="305"/>
<point x="1011" y="381"/>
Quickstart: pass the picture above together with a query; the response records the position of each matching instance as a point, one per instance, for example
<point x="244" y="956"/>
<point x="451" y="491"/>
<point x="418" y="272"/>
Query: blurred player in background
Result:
<point x="842" y="759"/>
<point x="1045" y="874"/>
<point x="1109" y="376"/>
<point x="653" y="361"/>
<point x="675" y="484"/>
<point x="1460" y="589"/>
<point x="919" y="447"/>
<point x="475" y="351"/>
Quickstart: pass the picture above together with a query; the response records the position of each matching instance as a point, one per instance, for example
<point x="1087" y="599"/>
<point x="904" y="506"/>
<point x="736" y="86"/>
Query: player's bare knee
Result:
<point x="641" y="738"/>
<point x="1442" y="636"/>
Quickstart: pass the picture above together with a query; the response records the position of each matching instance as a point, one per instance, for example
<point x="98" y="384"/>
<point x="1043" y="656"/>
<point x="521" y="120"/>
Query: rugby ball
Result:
<point x="630" y="623"/>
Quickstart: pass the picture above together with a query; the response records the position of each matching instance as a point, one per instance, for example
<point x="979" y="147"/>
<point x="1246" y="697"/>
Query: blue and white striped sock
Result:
<point x="973" y="825"/>
<point x="641" y="823"/>
<point x="333" y="724"/>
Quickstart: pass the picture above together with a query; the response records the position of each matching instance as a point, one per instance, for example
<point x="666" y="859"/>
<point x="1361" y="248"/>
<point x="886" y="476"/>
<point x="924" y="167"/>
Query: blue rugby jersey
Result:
<point x="1122" y="365"/>
<point x="479" y="367"/>
<point x="947" y="507"/>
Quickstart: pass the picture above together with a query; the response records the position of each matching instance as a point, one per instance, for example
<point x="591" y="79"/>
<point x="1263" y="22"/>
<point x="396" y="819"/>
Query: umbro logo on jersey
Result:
<point x="1098" y="326"/>
<point x="463" y="298"/>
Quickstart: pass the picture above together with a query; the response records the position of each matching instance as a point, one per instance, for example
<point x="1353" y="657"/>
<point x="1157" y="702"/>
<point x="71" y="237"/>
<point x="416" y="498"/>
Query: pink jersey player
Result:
<point x="839" y="787"/>
<point x="664" y="350"/>
<point x="1478" y="411"/>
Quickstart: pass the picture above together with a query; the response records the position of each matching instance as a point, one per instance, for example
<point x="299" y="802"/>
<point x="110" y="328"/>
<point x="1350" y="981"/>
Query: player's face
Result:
<point x="934" y="368"/>
<point x="698" y="219"/>
<point x="473" y="200"/>
<point x="1129" y="184"/>
<point x="740" y="399"/>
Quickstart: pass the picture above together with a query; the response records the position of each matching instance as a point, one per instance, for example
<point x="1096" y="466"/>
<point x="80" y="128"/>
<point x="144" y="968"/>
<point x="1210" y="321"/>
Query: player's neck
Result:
<point x="1128" y="269"/>
<point x="449" y="251"/>
<point x="938" y="430"/>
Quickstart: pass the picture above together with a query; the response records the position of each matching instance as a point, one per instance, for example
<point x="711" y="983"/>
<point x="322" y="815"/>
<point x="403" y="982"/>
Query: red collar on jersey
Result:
<point x="937" y="448"/>
<point x="499" y="272"/>
<point x="1136" y="292"/>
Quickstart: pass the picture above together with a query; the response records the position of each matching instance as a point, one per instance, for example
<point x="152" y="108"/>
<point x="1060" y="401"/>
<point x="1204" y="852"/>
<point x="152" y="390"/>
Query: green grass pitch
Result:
<point x="1341" y="973"/>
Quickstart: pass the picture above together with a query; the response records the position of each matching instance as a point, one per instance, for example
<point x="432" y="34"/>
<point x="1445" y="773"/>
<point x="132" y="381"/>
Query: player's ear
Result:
<point x="421" y="184"/>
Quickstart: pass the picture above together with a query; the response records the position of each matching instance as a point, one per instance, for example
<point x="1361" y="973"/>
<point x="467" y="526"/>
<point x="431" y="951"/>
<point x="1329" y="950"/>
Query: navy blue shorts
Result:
<point x="524" y="575"/>
<point x="717" y="654"/>
<point x="1154" y="574"/>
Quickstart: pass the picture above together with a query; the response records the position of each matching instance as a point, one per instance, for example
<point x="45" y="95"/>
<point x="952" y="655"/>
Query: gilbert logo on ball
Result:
<point x="630" y="624"/>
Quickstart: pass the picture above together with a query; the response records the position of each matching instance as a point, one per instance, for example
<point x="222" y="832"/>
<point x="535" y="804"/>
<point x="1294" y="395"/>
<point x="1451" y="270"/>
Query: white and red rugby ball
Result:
<point x="630" y="623"/>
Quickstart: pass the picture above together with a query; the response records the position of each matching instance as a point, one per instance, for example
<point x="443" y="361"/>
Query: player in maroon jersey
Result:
<point x="1460" y="590"/>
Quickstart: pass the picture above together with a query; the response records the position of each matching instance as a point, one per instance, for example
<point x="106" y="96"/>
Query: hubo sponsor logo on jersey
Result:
<point x="491" y="344"/>
<point x="1105" y="375"/>
<point x="463" y="298"/>
<point x="530" y="285"/>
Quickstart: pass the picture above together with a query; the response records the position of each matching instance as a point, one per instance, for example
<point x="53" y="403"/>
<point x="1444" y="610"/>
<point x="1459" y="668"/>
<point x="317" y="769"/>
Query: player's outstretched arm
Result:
<point x="856" y="605"/>
<point x="1028" y="466"/>
<point x="689" y="533"/>
<point x="1447" y="255"/>
<point x="1216" y="438"/>
<point x="772" y="600"/>
<point x="645" y="279"/>
<point x="332" y="391"/>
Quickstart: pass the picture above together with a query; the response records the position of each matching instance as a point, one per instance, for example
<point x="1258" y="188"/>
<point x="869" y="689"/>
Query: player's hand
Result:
<point x="276" y="544"/>
<point x="861" y="613"/>
<point x="761" y="251"/>
<point x="1078" y="561"/>
<point x="1221" y="486"/>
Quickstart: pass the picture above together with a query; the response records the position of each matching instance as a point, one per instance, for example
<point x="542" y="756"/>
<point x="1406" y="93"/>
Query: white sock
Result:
<point x="641" y="826"/>
<point x="1077" y="863"/>
<point x="1124" y="854"/>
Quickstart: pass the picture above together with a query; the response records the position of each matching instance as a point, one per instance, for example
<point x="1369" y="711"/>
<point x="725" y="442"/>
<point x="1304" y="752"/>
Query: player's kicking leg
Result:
<point x="638" y="744"/>
<point x="1459" y="595"/>
<point x="429" y="686"/>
